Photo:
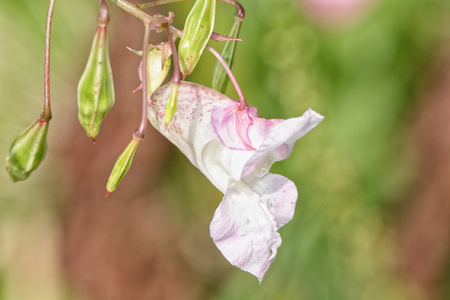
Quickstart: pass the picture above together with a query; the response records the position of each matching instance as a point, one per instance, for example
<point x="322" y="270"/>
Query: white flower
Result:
<point x="235" y="149"/>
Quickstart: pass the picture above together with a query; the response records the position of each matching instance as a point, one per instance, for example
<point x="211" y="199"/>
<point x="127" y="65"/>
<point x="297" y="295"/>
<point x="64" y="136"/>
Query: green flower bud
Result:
<point x="171" y="105"/>
<point x="96" y="88"/>
<point x="122" y="165"/>
<point x="220" y="77"/>
<point x="157" y="68"/>
<point x="27" y="151"/>
<point x="197" y="31"/>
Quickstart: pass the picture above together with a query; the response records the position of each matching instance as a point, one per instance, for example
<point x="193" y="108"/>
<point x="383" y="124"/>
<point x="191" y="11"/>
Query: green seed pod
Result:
<point x="220" y="77"/>
<point x="122" y="165"/>
<point x="197" y="31"/>
<point x="27" y="151"/>
<point x="171" y="105"/>
<point x="96" y="88"/>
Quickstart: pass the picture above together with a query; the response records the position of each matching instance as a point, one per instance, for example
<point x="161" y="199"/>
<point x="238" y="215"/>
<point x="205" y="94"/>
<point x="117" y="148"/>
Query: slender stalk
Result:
<point x="240" y="12"/>
<point x="176" y="76"/>
<point x="47" y="112"/>
<point x="243" y="102"/>
<point x="140" y="132"/>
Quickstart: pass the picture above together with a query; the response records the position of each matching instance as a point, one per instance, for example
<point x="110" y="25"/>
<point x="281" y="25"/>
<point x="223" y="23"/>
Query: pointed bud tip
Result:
<point x="137" y="52"/>
<point x="167" y="120"/>
<point x="107" y="194"/>
<point x="138" y="88"/>
<point x="166" y="125"/>
<point x="11" y="175"/>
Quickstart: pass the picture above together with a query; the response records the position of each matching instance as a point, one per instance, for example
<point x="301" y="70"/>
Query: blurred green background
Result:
<point x="364" y="65"/>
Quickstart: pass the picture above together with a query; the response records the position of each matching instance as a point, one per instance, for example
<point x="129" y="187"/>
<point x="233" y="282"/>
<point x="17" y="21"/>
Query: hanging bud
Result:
<point x="171" y="105"/>
<point x="157" y="69"/>
<point x="96" y="88"/>
<point x="197" y="31"/>
<point x="27" y="151"/>
<point x="158" y="65"/>
<point x="122" y="165"/>
<point x="220" y="77"/>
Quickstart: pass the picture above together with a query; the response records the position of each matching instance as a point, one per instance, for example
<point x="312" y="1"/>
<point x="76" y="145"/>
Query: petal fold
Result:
<point x="279" y="141"/>
<point x="245" y="224"/>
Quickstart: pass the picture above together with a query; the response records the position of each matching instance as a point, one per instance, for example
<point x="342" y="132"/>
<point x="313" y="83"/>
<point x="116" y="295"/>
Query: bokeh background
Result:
<point x="373" y="217"/>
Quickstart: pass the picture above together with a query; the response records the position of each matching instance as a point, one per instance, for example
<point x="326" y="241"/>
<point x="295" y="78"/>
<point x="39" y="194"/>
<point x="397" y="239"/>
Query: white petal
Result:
<point x="244" y="226"/>
<point x="279" y="142"/>
<point x="190" y="129"/>
<point x="277" y="193"/>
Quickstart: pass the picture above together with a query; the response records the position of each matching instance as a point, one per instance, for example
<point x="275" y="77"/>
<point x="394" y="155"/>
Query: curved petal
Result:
<point x="279" y="141"/>
<point x="245" y="224"/>
<point x="277" y="193"/>
<point x="190" y="129"/>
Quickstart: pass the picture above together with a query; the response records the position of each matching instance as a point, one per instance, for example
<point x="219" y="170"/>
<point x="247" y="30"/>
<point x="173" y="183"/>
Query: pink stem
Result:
<point x="242" y="100"/>
<point x="176" y="77"/>
<point x="140" y="132"/>
<point x="47" y="113"/>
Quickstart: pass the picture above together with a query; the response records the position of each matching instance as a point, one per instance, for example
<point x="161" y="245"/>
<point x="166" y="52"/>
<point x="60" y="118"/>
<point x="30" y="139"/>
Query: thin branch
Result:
<point x="243" y="102"/>
<point x="240" y="12"/>
<point x="176" y="76"/>
<point x="47" y="112"/>
<point x="140" y="132"/>
<point x="134" y="10"/>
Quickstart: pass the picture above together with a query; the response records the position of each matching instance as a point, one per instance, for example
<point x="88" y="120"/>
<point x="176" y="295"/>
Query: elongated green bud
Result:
<point x="220" y="77"/>
<point x="27" y="151"/>
<point x="96" y="88"/>
<point x="122" y="165"/>
<point x="171" y="105"/>
<point x="197" y="31"/>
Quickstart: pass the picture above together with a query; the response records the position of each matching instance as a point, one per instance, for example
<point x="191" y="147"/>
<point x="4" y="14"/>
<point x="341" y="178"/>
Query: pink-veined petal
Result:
<point x="231" y="125"/>
<point x="244" y="226"/>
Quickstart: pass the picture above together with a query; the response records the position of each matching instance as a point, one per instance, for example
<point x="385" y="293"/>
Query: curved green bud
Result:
<point x="96" y="88"/>
<point x="157" y="68"/>
<point x="122" y="165"/>
<point x="220" y="77"/>
<point x="171" y="105"/>
<point x="27" y="151"/>
<point x="197" y="31"/>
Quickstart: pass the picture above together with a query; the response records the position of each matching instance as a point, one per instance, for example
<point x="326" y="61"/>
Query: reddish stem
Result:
<point x="176" y="77"/>
<point x="103" y="17"/>
<point x="140" y="132"/>
<point x="47" y="112"/>
<point x="240" y="12"/>
<point x="242" y="100"/>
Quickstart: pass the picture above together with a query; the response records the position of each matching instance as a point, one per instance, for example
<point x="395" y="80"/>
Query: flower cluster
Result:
<point x="223" y="138"/>
<point x="234" y="149"/>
